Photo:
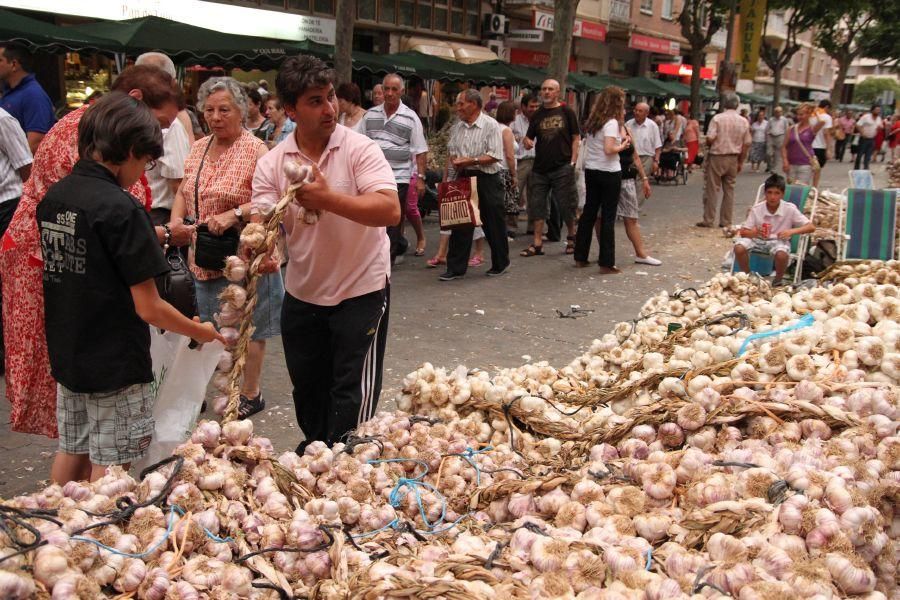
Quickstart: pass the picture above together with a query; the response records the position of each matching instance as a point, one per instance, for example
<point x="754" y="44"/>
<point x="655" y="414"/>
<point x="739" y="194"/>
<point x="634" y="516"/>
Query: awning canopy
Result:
<point x="187" y="44"/>
<point x="753" y="99"/>
<point x="39" y="35"/>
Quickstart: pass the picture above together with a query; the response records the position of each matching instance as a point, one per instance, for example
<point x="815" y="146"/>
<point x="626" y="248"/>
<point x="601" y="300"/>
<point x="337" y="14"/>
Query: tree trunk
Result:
<point x="345" y="11"/>
<point x="696" y="65"/>
<point x="561" y="47"/>
<point x="776" y="86"/>
<point x="837" y="91"/>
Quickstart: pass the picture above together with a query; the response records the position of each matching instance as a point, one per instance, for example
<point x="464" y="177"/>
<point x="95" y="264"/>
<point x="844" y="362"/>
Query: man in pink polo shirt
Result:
<point x="335" y="312"/>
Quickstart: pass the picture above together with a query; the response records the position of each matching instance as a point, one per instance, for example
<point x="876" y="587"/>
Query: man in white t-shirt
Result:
<point x="867" y="126"/>
<point x="166" y="175"/>
<point x="335" y="312"/>
<point x="823" y="139"/>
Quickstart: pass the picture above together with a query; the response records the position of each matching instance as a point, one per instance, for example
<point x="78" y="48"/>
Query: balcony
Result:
<point x="620" y="12"/>
<point x="719" y="39"/>
<point x="777" y="27"/>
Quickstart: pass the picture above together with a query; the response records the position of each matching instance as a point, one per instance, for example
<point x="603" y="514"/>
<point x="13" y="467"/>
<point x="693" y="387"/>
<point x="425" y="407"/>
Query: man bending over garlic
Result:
<point x="769" y="227"/>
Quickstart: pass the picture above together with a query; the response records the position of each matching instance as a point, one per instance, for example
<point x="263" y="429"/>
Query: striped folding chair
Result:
<point x="861" y="179"/>
<point x="798" y="195"/>
<point x="869" y="225"/>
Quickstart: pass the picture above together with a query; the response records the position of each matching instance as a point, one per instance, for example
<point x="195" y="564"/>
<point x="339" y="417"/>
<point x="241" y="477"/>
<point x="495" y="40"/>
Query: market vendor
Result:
<point x="335" y="311"/>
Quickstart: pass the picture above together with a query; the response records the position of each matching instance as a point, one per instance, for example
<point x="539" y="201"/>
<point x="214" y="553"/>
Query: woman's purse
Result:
<point x="210" y="250"/>
<point x="177" y="286"/>
<point x="813" y="161"/>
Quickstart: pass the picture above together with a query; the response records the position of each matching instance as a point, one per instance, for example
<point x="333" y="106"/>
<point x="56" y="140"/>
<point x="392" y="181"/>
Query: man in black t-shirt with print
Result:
<point x="553" y="133"/>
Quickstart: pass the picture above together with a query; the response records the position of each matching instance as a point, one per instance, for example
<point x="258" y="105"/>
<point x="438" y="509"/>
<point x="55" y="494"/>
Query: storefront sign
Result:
<point x="684" y="70"/>
<point x="588" y="30"/>
<point x="525" y="35"/>
<point x="652" y="44"/>
<point x="211" y="15"/>
<point x="752" y="14"/>
<point x="533" y="58"/>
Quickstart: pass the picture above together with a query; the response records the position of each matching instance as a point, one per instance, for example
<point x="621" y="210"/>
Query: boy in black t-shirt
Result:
<point x="100" y="259"/>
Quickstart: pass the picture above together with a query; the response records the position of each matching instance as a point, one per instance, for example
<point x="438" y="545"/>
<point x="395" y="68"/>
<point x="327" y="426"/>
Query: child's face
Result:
<point x="773" y="198"/>
<point x="131" y="170"/>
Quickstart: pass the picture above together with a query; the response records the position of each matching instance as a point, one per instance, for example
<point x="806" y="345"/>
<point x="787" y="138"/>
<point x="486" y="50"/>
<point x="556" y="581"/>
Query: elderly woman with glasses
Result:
<point x="215" y="192"/>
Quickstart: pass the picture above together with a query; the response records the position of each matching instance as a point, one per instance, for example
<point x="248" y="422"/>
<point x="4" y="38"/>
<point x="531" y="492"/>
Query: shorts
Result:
<point x="628" y="201"/>
<point x="561" y="182"/>
<point x="765" y="246"/>
<point x="113" y="428"/>
<point x="266" y="317"/>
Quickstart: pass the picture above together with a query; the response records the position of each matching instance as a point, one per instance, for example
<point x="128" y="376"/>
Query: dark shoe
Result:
<point x="582" y="263"/>
<point x="448" y="276"/>
<point x="532" y="250"/>
<point x="249" y="407"/>
<point x="702" y="224"/>
<point x="570" y="244"/>
<point x="497" y="272"/>
<point x="777" y="282"/>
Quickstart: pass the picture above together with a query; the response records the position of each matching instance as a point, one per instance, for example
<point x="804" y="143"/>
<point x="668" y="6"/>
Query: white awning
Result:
<point x="470" y="53"/>
<point x="428" y="46"/>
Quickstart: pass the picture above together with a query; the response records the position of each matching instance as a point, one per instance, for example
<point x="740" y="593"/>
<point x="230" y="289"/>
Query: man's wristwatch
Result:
<point x="239" y="214"/>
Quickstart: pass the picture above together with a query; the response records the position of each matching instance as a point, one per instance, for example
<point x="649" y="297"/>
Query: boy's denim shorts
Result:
<point x="113" y="428"/>
<point x="266" y="316"/>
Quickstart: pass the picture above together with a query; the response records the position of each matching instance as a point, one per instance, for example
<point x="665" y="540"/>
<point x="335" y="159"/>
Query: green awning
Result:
<point x="187" y="44"/>
<point x="754" y="99"/>
<point x="496" y="72"/>
<point x="39" y="35"/>
<point x="640" y="86"/>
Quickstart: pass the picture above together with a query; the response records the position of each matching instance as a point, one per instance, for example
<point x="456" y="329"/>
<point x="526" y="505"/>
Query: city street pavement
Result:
<point x="492" y="322"/>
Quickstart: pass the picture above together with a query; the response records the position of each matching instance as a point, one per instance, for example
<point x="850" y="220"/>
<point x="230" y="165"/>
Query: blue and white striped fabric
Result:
<point x="400" y="136"/>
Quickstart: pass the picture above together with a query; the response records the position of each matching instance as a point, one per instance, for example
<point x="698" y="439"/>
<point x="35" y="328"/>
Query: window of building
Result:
<point x="388" y="11"/>
<point x="440" y="19"/>
<point x="802" y="66"/>
<point x="424" y="16"/>
<point x="647" y="6"/>
<point x="456" y="22"/>
<point x="324" y="7"/>
<point x="365" y="10"/>
<point x="407" y="14"/>
<point x="472" y="24"/>
<point x="667" y="7"/>
<point x="298" y="5"/>
<point x="272" y="3"/>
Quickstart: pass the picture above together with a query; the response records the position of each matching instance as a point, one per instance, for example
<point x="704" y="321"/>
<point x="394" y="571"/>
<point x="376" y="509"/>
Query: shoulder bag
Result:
<point x="813" y="161"/>
<point x="177" y="286"/>
<point x="210" y="250"/>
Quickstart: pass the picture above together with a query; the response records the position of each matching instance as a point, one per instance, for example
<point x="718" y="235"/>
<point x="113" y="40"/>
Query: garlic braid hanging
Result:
<point x="258" y="242"/>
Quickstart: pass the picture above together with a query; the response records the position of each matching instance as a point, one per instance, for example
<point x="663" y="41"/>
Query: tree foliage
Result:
<point x="699" y="21"/>
<point x="801" y="16"/>
<point x="868" y="91"/>
<point x="881" y="41"/>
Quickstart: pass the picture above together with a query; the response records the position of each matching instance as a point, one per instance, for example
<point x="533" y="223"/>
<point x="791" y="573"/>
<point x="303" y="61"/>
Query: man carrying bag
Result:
<point x="474" y="150"/>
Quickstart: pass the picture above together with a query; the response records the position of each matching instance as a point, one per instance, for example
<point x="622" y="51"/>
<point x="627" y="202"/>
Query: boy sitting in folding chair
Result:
<point x="769" y="227"/>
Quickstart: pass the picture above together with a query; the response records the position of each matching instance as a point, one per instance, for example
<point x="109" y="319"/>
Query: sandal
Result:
<point x="432" y="263"/>
<point x="419" y="252"/>
<point x="532" y="250"/>
<point x="570" y="244"/>
<point x="249" y="407"/>
<point x="476" y="261"/>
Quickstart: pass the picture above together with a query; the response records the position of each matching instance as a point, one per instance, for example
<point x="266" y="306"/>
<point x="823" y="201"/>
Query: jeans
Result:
<point x="602" y="197"/>
<point x="840" y="146"/>
<point x="866" y="147"/>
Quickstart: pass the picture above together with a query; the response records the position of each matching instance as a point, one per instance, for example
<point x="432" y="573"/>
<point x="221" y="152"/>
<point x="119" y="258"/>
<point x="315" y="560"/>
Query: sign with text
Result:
<point x="752" y="14"/>
<point x="525" y="35"/>
<point x="211" y="15"/>
<point x="652" y="44"/>
<point x="684" y="70"/>
<point x="534" y="58"/>
<point x="588" y="30"/>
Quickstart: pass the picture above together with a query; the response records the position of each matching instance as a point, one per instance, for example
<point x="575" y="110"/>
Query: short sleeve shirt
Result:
<point x="787" y="216"/>
<point x="334" y="259"/>
<point x="595" y="157"/>
<point x="400" y="137"/>
<point x="729" y="132"/>
<point x="176" y="147"/>
<point x="552" y="130"/>
<point x="97" y="241"/>
<point x="819" y="142"/>
<point x="14" y="154"/>
<point x="30" y="105"/>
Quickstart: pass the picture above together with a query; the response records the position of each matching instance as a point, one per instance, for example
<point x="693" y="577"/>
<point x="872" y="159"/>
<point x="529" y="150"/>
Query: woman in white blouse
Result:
<point x="603" y="141"/>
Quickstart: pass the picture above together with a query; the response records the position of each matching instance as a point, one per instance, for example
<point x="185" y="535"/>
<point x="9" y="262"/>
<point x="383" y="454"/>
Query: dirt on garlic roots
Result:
<point x="731" y="441"/>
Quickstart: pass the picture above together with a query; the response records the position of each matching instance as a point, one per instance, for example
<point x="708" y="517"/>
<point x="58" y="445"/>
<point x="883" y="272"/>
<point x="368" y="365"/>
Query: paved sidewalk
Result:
<point x="492" y="322"/>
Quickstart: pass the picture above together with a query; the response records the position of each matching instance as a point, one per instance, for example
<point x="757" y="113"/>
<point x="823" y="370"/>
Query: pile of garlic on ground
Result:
<point x="662" y="463"/>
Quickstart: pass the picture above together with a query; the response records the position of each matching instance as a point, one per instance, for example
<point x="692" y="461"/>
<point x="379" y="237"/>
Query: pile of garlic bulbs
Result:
<point x="662" y="463"/>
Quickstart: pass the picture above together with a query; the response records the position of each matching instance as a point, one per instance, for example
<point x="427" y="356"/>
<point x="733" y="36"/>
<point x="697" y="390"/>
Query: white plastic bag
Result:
<point x="180" y="376"/>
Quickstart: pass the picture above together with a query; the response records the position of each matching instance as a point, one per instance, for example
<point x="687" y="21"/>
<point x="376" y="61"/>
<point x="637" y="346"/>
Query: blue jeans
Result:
<point x="266" y="316"/>
<point x="866" y="147"/>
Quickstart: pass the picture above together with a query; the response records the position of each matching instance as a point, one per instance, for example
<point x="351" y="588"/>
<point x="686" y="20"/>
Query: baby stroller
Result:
<point x="672" y="166"/>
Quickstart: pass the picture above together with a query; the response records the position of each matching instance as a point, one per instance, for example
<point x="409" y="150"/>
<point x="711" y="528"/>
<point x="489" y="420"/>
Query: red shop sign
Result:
<point x="589" y="30"/>
<point x="652" y="44"/>
<point x="684" y="70"/>
<point x="533" y="58"/>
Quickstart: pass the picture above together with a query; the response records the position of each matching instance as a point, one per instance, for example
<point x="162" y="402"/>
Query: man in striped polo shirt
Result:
<point x="398" y="131"/>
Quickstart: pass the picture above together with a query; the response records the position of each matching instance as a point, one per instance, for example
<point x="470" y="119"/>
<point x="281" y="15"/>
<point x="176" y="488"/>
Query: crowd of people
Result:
<point x="89" y="204"/>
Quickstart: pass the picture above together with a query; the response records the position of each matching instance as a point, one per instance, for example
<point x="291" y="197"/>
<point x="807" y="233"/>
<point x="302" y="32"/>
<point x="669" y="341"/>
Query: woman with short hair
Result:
<point x="350" y="106"/>
<point x="215" y="192"/>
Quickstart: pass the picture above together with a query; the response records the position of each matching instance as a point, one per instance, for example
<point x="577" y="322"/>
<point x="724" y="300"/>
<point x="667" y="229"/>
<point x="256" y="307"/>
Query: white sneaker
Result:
<point x="648" y="260"/>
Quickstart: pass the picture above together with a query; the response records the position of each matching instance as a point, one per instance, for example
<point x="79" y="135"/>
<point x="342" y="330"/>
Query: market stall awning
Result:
<point x="641" y="86"/>
<point x="433" y="67"/>
<point x="754" y="99"/>
<point x="39" y="35"/>
<point x="187" y="44"/>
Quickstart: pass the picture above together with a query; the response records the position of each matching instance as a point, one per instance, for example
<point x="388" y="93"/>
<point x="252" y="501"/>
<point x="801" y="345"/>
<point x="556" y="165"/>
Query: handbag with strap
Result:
<point x="813" y="161"/>
<point x="177" y="286"/>
<point x="211" y="250"/>
<point x="458" y="203"/>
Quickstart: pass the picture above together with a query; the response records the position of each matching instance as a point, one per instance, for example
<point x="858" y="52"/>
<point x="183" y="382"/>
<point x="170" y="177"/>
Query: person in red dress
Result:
<point x="29" y="386"/>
